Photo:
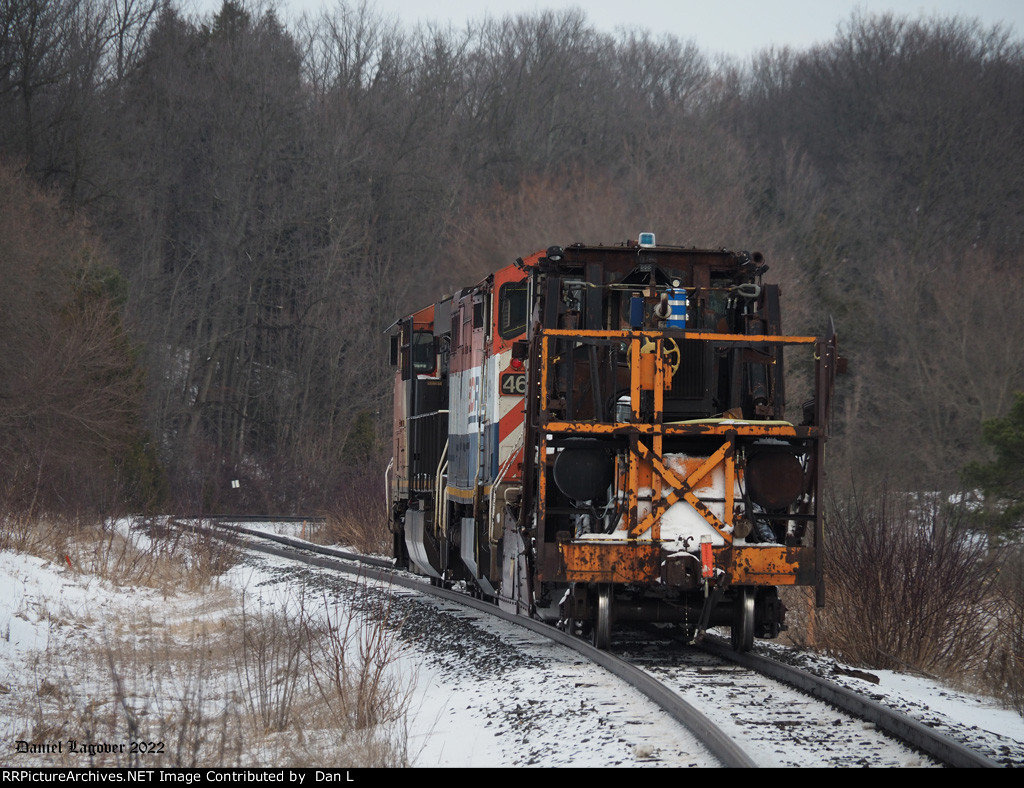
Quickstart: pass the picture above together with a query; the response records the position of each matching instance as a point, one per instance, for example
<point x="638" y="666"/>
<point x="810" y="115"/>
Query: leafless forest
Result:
<point x="207" y="224"/>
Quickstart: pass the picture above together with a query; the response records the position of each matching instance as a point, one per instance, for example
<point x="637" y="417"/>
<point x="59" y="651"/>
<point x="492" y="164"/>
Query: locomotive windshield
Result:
<point x="423" y="352"/>
<point x="512" y="309"/>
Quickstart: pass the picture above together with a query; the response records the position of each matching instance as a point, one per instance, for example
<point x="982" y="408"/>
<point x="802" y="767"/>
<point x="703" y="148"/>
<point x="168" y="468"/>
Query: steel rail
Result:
<point x="907" y="730"/>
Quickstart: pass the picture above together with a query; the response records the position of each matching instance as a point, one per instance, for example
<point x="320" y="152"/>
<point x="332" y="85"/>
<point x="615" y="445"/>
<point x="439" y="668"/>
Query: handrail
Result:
<point x="709" y="336"/>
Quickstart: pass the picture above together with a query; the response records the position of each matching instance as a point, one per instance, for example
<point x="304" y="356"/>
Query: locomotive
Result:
<point x="597" y="434"/>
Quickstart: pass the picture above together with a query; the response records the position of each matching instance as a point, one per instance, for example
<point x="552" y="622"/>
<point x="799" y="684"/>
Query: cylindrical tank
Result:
<point x="678" y="302"/>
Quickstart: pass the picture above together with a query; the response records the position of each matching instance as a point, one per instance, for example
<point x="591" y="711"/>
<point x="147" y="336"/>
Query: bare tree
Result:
<point x="71" y="398"/>
<point x="954" y="356"/>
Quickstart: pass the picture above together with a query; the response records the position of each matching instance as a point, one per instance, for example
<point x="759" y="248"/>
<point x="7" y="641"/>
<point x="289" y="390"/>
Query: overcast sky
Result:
<point x="735" y="27"/>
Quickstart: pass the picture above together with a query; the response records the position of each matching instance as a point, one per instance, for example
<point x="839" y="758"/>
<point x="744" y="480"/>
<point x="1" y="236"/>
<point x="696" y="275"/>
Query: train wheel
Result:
<point x="743" y="620"/>
<point x="603" y="625"/>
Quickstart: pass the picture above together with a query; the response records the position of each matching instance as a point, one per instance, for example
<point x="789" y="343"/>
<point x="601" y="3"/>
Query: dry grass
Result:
<point x="801" y="617"/>
<point x="213" y="678"/>
<point x="166" y="558"/>
<point x="360" y="516"/>
<point x="153" y="686"/>
<point x="47" y="537"/>
<point x="358" y="532"/>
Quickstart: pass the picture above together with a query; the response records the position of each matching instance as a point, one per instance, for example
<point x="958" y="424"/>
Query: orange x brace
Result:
<point x="684" y="489"/>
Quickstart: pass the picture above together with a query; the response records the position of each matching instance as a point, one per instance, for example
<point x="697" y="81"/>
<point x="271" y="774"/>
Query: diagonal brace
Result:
<point x="684" y="489"/>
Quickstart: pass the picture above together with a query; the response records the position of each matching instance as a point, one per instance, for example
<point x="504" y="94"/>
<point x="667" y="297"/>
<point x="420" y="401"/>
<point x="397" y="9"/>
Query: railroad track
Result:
<point x="790" y="717"/>
<point x="761" y="720"/>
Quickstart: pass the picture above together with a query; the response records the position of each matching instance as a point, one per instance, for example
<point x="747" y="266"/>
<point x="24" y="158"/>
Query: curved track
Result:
<point x="789" y="717"/>
<point x="677" y="681"/>
<point x="922" y="737"/>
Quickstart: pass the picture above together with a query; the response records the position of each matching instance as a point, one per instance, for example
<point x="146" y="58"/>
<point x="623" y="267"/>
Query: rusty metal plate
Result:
<point x="770" y="565"/>
<point x="610" y="562"/>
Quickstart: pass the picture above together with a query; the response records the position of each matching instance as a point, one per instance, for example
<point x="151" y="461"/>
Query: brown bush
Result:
<point x="910" y="585"/>
<point x="352" y="661"/>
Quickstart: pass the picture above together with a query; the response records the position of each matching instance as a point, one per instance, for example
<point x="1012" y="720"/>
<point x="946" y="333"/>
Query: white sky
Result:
<point x="735" y="27"/>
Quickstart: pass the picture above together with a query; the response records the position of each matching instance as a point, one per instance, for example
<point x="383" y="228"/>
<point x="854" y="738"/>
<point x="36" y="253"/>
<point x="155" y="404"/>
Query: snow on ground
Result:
<point x="559" y="715"/>
<point x="968" y="709"/>
<point x="486" y="693"/>
<point x="477" y="701"/>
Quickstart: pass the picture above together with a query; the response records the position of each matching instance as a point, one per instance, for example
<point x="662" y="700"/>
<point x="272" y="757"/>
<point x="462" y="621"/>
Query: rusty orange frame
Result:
<point x="647" y="373"/>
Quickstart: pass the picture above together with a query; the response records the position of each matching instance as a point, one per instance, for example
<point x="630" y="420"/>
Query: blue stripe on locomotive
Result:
<point x="463" y="458"/>
<point x="493" y="450"/>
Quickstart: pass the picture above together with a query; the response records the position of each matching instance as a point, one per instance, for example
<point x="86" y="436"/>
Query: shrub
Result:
<point x="910" y="585"/>
<point x="359" y="516"/>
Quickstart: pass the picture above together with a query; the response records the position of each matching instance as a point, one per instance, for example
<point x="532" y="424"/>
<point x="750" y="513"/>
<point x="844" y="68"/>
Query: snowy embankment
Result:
<point x="237" y="670"/>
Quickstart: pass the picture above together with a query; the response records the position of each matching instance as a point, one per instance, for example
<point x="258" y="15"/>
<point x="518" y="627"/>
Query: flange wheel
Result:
<point x="603" y="625"/>
<point x="743" y="620"/>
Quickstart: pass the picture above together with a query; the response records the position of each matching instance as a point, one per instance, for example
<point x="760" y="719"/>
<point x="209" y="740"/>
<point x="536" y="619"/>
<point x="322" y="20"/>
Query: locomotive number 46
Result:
<point x="513" y="384"/>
